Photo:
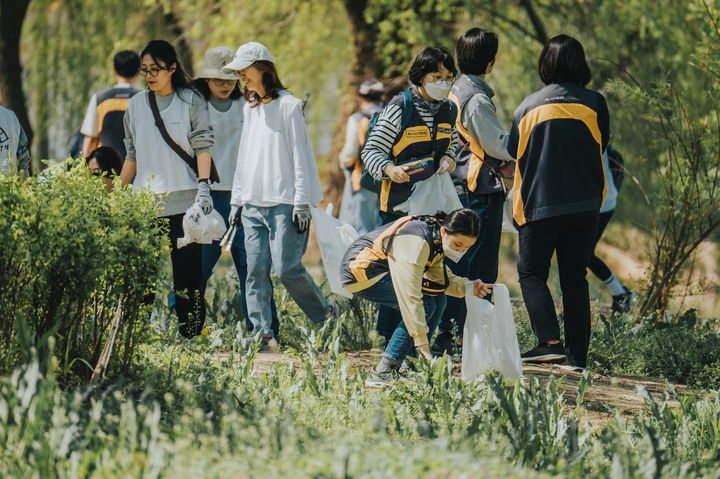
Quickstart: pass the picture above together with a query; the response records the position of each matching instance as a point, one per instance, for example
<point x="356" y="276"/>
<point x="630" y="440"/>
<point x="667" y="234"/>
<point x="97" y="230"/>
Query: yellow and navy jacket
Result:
<point x="363" y="120"/>
<point x="111" y="106"/>
<point x="558" y="136"/>
<point x="474" y="168"/>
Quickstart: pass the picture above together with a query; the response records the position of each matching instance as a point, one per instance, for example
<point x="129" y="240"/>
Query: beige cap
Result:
<point x="213" y="63"/>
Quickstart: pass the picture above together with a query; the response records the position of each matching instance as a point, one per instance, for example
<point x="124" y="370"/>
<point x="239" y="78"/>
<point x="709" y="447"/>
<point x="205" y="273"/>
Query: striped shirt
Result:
<point x="376" y="154"/>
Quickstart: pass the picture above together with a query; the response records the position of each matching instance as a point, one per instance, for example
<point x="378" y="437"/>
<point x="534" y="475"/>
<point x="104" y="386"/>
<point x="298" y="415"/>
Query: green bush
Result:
<point x="71" y="254"/>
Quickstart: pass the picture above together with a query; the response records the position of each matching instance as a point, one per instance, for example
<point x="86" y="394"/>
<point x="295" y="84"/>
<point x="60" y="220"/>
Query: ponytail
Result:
<point x="460" y="222"/>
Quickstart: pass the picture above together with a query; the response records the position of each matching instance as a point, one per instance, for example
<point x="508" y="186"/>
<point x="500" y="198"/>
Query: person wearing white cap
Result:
<point x="225" y="107"/>
<point x="359" y="206"/>
<point x="159" y="153"/>
<point x="276" y="181"/>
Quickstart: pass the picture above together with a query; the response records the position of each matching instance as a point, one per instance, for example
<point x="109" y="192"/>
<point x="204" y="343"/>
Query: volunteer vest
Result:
<point x="472" y="169"/>
<point x="416" y="142"/>
<point x="158" y="166"/>
<point x="111" y="106"/>
<point x="363" y="120"/>
<point x="227" y="129"/>
<point x="366" y="257"/>
<point x="9" y="138"/>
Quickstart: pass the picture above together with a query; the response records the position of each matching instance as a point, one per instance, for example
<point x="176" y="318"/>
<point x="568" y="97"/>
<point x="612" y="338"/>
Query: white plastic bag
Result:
<point x="437" y="193"/>
<point x="489" y="340"/>
<point x="507" y="225"/>
<point x="334" y="238"/>
<point x="201" y="228"/>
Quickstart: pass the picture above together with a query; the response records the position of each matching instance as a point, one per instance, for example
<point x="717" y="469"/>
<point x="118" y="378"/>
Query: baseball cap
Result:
<point x="246" y="55"/>
<point x="371" y="86"/>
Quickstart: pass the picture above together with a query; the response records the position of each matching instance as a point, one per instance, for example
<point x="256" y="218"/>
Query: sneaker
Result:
<point x="545" y="353"/>
<point x="623" y="302"/>
<point x="331" y="320"/>
<point x="268" y="344"/>
<point x="444" y="343"/>
<point x="571" y="365"/>
<point x="381" y="379"/>
<point x="406" y="368"/>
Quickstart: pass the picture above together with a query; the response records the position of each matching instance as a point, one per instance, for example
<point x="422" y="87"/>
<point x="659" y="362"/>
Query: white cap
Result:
<point x="214" y="61"/>
<point x="371" y="86"/>
<point x="246" y="55"/>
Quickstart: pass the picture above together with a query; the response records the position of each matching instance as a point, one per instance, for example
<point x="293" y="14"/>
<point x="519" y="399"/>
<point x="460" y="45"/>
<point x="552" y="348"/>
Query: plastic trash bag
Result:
<point x="437" y="193"/>
<point x="334" y="238"/>
<point x="201" y="228"/>
<point x="507" y="225"/>
<point x="489" y="340"/>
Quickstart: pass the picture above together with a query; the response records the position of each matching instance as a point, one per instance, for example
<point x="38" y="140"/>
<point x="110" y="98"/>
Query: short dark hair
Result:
<point x="562" y="60"/>
<point x="460" y="222"/>
<point x="126" y="63"/>
<point x="162" y="51"/>
<point x="428" y="61"/>
<point x="200" y="84"/>
<point x="475" y="49"/>
<point x="270" y="79"/>
<point x="108" y="160"/>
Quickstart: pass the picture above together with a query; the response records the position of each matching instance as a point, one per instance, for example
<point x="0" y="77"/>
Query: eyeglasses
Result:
<point x="433" y="77"/>
<point x="151" y="72"/>
<point x="219" y="82"/>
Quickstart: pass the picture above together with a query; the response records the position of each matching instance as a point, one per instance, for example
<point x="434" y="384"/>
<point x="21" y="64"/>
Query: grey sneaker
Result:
<point x="268" y="344"/>
<point x="381" y="379"/>
<point x="331" y="320"/>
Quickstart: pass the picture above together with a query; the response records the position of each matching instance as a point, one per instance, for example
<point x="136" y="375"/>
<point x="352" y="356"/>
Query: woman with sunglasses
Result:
<point x="155" y="165"/>
<point x="225" y="103"/>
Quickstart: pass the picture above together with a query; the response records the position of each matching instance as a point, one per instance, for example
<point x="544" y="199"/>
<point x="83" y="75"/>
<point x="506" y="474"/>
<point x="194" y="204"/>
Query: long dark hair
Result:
<point x="162" y="51"/>
<point x="562" y="60"/>
<point x="460" y="222"/>
<point x="200" y="84"/>
<point x="270" y="79"/>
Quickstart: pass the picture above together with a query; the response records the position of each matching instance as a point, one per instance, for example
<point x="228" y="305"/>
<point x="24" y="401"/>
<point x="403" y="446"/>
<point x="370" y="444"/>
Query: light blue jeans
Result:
<point x="366" y="209"/>
<point x="272" y="241"/>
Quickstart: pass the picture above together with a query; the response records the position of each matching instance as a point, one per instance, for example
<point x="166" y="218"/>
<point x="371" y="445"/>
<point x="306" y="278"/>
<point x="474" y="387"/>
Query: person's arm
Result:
<point x="23" y="155"/>
<point x="129" y="168"/>
<point x="375" y="155"/>
<point x="514" y="138"/>
<point x="351" y="148"/>
<point x="89" y="144"/>
<point x="480" y="119"/>
<point x="201" y="134"/>
<point x="406" y="260"/>
<point x="89" y="127"/>
<point x="301" y="150"/>
<point x="604" y="122"/>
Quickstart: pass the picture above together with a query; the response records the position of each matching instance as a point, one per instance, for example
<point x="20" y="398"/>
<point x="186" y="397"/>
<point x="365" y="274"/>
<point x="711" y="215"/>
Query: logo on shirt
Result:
<point x="3" y="136"/>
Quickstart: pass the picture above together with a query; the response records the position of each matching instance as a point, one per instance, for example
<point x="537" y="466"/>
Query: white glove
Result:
<point x="301" y="218"/>
<point x="203" y="198"/>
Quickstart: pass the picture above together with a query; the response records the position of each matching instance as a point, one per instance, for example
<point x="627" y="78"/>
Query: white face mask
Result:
<point x="451" y="254"/>
<point x="438" y="90"/>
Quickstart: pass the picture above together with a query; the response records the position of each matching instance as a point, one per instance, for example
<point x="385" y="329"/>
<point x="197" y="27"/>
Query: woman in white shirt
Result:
<point x="225" y="107"/>
<point x="153" y="164"/>
<point x="276" y="181"/>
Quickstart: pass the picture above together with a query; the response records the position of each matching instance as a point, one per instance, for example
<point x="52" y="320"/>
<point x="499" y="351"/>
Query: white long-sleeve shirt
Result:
<point x="276" y="163"/>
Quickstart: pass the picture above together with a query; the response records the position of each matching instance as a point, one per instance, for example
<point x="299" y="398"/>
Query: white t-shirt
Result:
<point x="276" y="164"/>
<point x="227" y="128"/>
<point x="89" y="124"/>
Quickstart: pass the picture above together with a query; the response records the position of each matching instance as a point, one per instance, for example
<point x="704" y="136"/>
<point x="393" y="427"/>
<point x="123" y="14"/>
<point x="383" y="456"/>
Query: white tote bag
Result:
<point x="334" y="238"/>
<point x="489" y="340"/>
<point x="437" y="193"/>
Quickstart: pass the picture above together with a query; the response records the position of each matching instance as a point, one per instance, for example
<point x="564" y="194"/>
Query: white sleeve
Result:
<point x="89" y="125"/>
<point x="300" y="148"/>
<point x="236" y="197"/>
<point x="351" y="149"/>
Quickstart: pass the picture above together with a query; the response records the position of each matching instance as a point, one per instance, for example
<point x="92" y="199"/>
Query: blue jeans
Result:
<point x="481" y="260"/>
<point x="388" y="318"/>
<point x="401" y="344"/>
<point x="211" y="253"/>
<point x="271" y="240"/>
<point x="365" y="209"/>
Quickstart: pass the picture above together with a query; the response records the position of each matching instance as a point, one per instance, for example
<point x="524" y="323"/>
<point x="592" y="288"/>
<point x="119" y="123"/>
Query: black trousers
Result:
<point x="573" y="240"/>
<point x="187" y="281"/>
<point x="596" y="265"/>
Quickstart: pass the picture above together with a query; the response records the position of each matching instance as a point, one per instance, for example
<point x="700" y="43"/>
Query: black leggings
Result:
<point x="596" y="265"/>
<point x="187" y="281"/>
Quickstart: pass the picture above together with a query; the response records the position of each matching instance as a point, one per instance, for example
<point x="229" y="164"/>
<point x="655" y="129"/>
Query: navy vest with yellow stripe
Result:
<point x="367" y="256"/>
<point x="416" y="141"/>
<point x="111" y="106"/>
<point x="474" y="166"/>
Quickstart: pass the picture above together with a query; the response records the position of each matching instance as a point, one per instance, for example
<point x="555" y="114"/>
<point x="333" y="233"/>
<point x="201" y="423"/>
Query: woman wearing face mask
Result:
<point x="276" y="181"/>
<point x="154" y="164"/>
<point x="225" y="107"/>
<point x="398" y="155"/>
<point x="401" y="266"/>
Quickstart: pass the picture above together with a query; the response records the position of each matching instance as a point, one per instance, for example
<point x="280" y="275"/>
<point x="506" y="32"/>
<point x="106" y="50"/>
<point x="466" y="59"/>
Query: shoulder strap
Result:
<point x="190" y="160"/>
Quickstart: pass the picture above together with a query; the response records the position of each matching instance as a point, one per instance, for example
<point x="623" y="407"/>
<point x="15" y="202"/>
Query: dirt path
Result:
<point x="608" y="391"/>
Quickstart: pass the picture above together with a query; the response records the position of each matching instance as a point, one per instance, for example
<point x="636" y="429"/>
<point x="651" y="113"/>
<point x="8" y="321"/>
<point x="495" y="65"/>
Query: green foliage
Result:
<point x="71" y="253"/>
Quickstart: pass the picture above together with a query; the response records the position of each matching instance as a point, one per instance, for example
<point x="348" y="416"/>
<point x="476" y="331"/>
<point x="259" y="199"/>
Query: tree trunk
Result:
<point x="172" y="22"/>
<point x="365" y="64"/>
<point x="12" y="15"/>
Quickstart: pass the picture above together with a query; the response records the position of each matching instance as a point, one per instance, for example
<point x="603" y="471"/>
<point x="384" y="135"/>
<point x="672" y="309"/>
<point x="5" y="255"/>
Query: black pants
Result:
<point x="572" y="239"/>
<point x="187" y="281"/>
<point x="596" y="265"/>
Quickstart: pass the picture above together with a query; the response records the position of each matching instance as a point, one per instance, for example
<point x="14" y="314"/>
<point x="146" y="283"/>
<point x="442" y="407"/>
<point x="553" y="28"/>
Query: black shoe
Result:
<point x="623" y="302"/>
<point x="444" y="343"/>
<point x="545" y="353"/>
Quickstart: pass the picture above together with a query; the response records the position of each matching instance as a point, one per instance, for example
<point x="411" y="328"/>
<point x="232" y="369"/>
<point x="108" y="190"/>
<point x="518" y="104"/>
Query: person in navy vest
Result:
<point x="103" y="123"/>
